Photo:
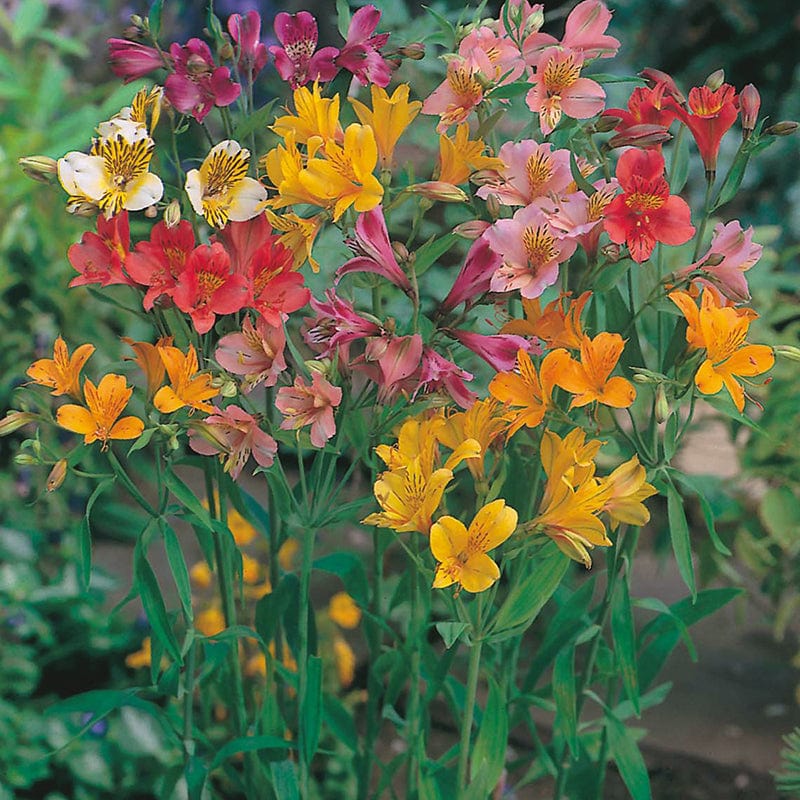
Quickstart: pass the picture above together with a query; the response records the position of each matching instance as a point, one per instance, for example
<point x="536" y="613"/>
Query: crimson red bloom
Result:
<point x="645" y="212"/>
<point x="99" y="257"/>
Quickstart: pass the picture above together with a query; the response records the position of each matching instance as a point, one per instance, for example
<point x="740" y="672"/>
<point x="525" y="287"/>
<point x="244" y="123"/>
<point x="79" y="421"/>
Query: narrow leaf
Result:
<point x="489" y="753"/>
<point x="625" y="752"/>
<point x="249" y="744"/>
<point x="85" y="536"/>
<point x="624" y="635"/>
<point x="343" y="17"/>
<point x="565" y="696"/>
<point x="679" y="535"/>
<point x="311" y="713"/>
<point x="284" y="780"/>
<point x="705" y="508"/>
<point x="153" y="603"/>
<point x="177" y="565"/>
<point x="350" y="568"/>
<point x="432" y="251"/>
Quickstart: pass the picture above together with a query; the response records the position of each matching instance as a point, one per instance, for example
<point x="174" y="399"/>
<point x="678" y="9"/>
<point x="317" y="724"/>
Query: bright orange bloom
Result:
<point x="460" y="156"/>
<point x="100" y="420"/>
<point x="628" y="488"/>
<point x="722" y="332"/>
<point x="555" y="326"/>
<point x="61" y="372"/>
<point x="149" y="361"/>
<point x="187" y="387"/>
<point x="588" y="379"/>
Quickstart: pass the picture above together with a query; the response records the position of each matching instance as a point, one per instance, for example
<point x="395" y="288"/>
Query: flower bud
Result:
<point x="472" y="229"/>
<point x="438" y="190"/>
<point x="493" y="206"/>
<point x="749" y="104"/>
<point x="172" y="214"/>
<point x="57" y="475"/>
<point x="151" y="212"/>
<point x="644" y="135"/>
<point x="783" y="128"/>
<point x="15" y="420"/>
<point x="415" y="51"/>
<point x="229" y="389"/>
<point x="662" y="409"/>
<point x="713" y="260"/>
<point x="25" y="459"/>
<point x="656" y="76"/>
<point x="226" y="51"/>
<point x="715" y="79"/>
<point x="322" y="365"/>
<point x="611" y="252"/>
<point x="606" y="123"/>
<point x="787" y="351"/>
<point x="40" y="168"/>
<point x="400" y="251"/>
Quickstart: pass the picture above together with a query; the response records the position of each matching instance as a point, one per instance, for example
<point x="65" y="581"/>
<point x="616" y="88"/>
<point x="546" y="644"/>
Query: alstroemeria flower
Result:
<point x="296" y="61"/>
<point x="132" y="60"/>
<point x="221" y="190"/>
<point x="234" y="435"/>
<point x="149" y="361"/>
<point x="454" y="99"/>
<point x="158" y="262"/>
<point x="645" y="212"/>
<point x="398" y="360"/>
<point x="298" y="234"/>
<point x="115" y="176"/>
<point x="554" y="325"/>
<point x="475" y="275"/>
<point x="438" y="373"/>
<point x="315" y="118"/>
<point x="730" y="254"/>
<point x="335" y="325"/>
<point x="275" y="288"/>
<point x="198" y="83"/>
<point x="187" y="386"/>
<point x="530" y="251"/>
<point x="256" y="353"/>
<point x="100" y="419"/>
<point x="497" y="57"/>
<point x="627" y="489"/>
<point x="100" y="257"/>
<point x="557" y="89"/>
<point x="373" y="250"/>
<point x="61" y="372"/>
<point x="302" y="404"/>
<point x="361" y="52"/>
<point x="245" y="30"/>
<point x="498" y="350"/>
<point x="646" y="106"/>
<point x="462" y="552"/>
<point x="461" y="156"/>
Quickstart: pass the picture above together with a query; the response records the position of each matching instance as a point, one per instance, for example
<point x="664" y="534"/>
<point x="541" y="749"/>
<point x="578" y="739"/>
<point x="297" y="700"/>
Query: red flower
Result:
<point x="206" y="286"/>
<point x="645" y="107"/>
<point x="275" y="288"/>
<point x="99" y="256"/>
<point x="645" y="212"/>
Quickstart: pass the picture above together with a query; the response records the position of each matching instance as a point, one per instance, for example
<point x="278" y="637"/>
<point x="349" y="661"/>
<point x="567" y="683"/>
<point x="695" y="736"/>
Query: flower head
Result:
<point x="316" y="118"/>
<point x="438" y="373"/>
<point x="459" y="93"/>
<point x="461" y="156"/>
<point x="303" y="404"/>
<point x="99" y="257"/>
<point x="245" y="30"/>
<point x="296" y="59"/>
<point x="132" y="60"/>
<point x="62" y="371"/>
<point x="361" y="52"/>
<point x="256" y="353"/>
<point x="149" y="361"/>
<point x="475" y="275"/>
<point x="555" y="325"/>
<point x="628" y="488"/>
<point x="187" y="387"/>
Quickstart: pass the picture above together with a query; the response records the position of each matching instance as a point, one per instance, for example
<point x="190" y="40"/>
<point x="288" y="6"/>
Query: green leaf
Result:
<point x="350" y="568"/>
<point x="654" y="604"/>
<point x="679" y="536"/>
<point x="679" y="166"/>
<point x="29" y="18"/>
<point x="450" y="631"/>
<point x="85" y="536"/>
<point x="271" y="607"/>
<point x="618" y="317"/>
<point x="195" y="774"/>
<point x="733" y="180"/>
<point x="564" y="693"/>
<point x="143" y="440"/>
<point x="624" y="635"/>
<point x="705" y="507"/>
<point x="311" y="712"/>
<point x="343" y="17"/>
<point x="180" y="573"/>
<point x="154" y="18"/>
<point x="509" y="90"/>
<point x="723" y="403"/>
<point x="340" y="722"/>
<point x="258" y="120"/>
<point x="602" y="77"/>
<point x="186" y="497"/>
<point x="153" y="603"/>
<point x="610" y="275"/>
<point x="284" y="780"/>
<point x="248" y="744"/>
<point x="625" y="752"/>
<point x="489" y="753"/>
<point x="432" y="251"/>
<point x="580" y="181"/>
<point x="780" y="513"/>
<point x="671" y="436"/>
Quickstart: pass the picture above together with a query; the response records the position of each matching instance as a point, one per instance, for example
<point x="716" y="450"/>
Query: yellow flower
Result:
<point x="210" y="622"/>
<point x="342" y="609"/>
<point x="141" y="658"/>
<point x="100" y="419"/>
<point x="484" y="422"/>
<point x="298" y="235"/>
<point x="389" y="117"/>
<point x="187" y="387"/>
<point x="251" y="569"/>
<point x="460" y="156"/>
<point x="283" y="164"/>
<point x="627" y="489"/>
<point x="200" y="573"/>
<point x="61" y="372"/>
<point x="316" y="117"/>
<point x="287" y="554"/>
<point x="462" y="553"/>
<point x="345" y="660"/>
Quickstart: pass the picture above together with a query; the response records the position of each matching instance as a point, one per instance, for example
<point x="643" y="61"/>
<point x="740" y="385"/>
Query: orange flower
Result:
<point x="555" y="326"/>
<point x="61" y="372"/>
<point x="460" y="156"/>
<point x="589" y="379"/>
<point x="627" y="487"/>
<point x="188" y="388"/>
<point x="342" y="609"/>
<point x="722" y="332"/>
<point x="101" y="420"/>
<point x="149" y="361"/>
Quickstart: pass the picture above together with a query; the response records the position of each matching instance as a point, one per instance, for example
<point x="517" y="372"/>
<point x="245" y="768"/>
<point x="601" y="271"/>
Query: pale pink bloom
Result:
<point x="558" y="89"/>
<point x="373" y="250"/>
<point x="313" y="405"/>
<point x="498" y="350"/>
<point x="438" y="373"/>
<point x="454" y="99"/>
<point x="530" y="250"/>
<point x="525" y="19"/>
<point x="235" y="435"/>
<point x="361" y="52"/>
<point x="132" y="60"/>
<point x="474" y="277"/>
<point x="296" y="60"/>
<point x="721" y="269"/>
<point x="397" y="359"/>
<point x="531" y="171"/>
<point x="335" y="326"/>
<point x="245" y="30"/>
<point x="256" y="352"/>
<point x="497" y="58"/>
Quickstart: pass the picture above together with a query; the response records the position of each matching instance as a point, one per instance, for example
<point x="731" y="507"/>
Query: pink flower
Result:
<point x="474" y="277"/>
<point x="722" y="268"/>
<point x="360" y="54"/>
<point x="397" y="359"/>
<point x="197" y="83"/>
<point x="531" y="171"/>
<point x="749" y="104"/>
<point x="99" y="257"/>
<point x="235" y="435"/>
<point x="131" y="60"/>
<point x="525" y="19"/>
<point x="454" y="99"/>
<point x="497" y="58"/>
<point x="256" y="353"/>
<point x="313" y="405"/>
<point x="498" y="350"/>
<point x="373" y="250"/>
<point x="530" y="250"/>
<point x="439" y="373"/>
<point x="336" y="325"/>
<point x="296" y="60"/>
<point x="246" y="32"/>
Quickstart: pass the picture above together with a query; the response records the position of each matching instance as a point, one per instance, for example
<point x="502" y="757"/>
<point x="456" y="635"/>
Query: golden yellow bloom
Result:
<point x="298" y="235"/>
<point x="100" y="419"/>
<point x="345" y="660"/>
<point x="342" y="609"/>
<point x="187" y="387"/>
<point x="627" y="489"/>
<point x="242" y="530"/>
<point x="315" y="117"/>
<point x="210" y="622"/>
<point x="287" y="554"/>
<point x="462" y="553"/>
<point x="485" y="421"/>
<point x="460" y="156"/>
<point x="61" y="372"/>
<point x="283" y="164"/>
<point x="251" y="569"/>
<point x="141" y="658"/>
<point x="388" y="118"/>
<point x="201" y="576"/>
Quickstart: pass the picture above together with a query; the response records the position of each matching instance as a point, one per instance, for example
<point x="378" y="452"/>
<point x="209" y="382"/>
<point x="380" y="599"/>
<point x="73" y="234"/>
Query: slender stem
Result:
<point x="302" y="690"/>
<point x="469" y="707"/>
<point x="126" y="481"/>
<point x="413" y="713"/>
<point x="188" y="704"/>
<point x="701" y="231"/>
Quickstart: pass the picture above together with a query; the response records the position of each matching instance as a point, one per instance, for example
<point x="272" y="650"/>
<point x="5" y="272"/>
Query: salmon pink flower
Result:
<point x="530" y="251"/>
<point x="303" y="404"/>
<point x="454" y="99"/>
<point x="645" y="212"/>
<point x="256" y="353"/>
<point x="206" y="287"/>
<point x="296" y="59"/>
<point x="245" y="30"/>
<point x="132" y="60"/>
<point x="234" y="435"/>
<point x="438" y="373"/>
<point x="198" y="83"/>
<point x="497" y="58"/>
<point x="498" y="350"/>
<point x="361" y="52"/>
<point x="475" y="276"/>
<point x="158" y="262"/>
<point x="100" y="256"/>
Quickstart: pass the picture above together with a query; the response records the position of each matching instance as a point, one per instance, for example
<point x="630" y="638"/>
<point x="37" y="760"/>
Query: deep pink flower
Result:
<point x="438" y="373"/>
<point x="198" y="83"/>
<point x="397" y="359"/>
<point x="99" y="257"/>
<point x="361" y="52"/>
<point x="313" y="405"/>
<point x="256" y="353"/>
<point x="132" y="60"/>
<point x="335" y="325"/>
<point x="235" y="435"/>
<point x="498" y="350"/>
<point x="475" y="276"/>
<point x="749" y="104"/>
<point x="296" y="60"/>
<point x="245" y="30"/>
<point x="374" y="250"/>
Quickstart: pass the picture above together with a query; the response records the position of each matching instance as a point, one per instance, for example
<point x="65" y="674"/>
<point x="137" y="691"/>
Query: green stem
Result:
<point x="188" y="704"/>
<point x="302" y="690"/>
<point x="413" y="732"/>
<point x="701" y="231"/>
<point x="469" y="707"/>
<point x="126" y="481"/>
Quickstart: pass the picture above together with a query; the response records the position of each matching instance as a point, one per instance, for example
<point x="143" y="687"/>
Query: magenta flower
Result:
<point x="235" y="435"/>
<point x="374" y="250"/>
<point x="530" y="250"/>
<point x="498" y="350"/>
<point x="246" y="32"/>
<point x="439" y="373"/>
<point x="256" y="353"/>
<point x="313" y="405"/>
<point x="198" y="83"/>
<point x="476" y="274"/>
<point x="336" y="325"/>
<point x="99" y="257"/>
<point x="296" y="60"/>
<point x="132" y="60"/>
<point x="361" y="52"/>
<point x="397" y="359"/>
